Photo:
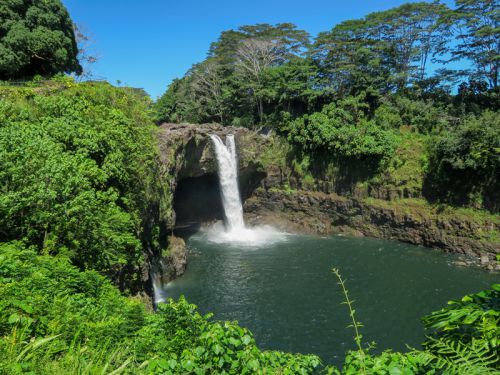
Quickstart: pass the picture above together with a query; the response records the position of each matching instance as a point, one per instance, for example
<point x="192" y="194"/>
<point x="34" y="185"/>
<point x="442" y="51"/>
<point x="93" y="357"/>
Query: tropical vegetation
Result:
<point x="84" y="201"/>
<point x="345" y="96"/>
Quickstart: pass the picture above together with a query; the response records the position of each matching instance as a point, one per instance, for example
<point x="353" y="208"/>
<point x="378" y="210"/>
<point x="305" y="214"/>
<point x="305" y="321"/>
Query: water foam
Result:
<point x="234" y="231"/>
<point x="253" y="237"/>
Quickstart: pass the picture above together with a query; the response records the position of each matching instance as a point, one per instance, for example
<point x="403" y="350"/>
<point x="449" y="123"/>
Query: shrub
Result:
<point x="57" y="319"/>
<point x="464" y="165"/>
<point x="79" y="173"/>
<point x="343" y="130"/>
<point x="423" y="116"/>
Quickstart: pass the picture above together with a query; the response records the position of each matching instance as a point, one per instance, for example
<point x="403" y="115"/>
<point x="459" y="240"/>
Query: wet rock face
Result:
<point x="186" y="150"/>
<point x="190" y="167"/>
<point x="188" y="157"/>
<point x="170" y="265"/>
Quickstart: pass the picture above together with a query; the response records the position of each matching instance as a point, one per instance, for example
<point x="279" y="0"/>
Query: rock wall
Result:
<point x="273" y="195"/>
<point x="172" y="263"/>
<point x="186" y="152"/>
<point x="315" y="212"/>
<point x="190" y="169"/>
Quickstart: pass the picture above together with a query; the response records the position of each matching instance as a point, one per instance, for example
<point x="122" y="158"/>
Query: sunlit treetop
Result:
<point x="36" y="37"/>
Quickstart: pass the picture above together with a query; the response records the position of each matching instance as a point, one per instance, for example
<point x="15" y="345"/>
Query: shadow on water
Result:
<point x="186" y="230"/>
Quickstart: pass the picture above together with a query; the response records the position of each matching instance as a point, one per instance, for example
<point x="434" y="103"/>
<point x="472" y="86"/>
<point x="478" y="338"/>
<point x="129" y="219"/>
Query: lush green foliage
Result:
<point x="467" y="332"/>
<point x="36" y="37"/>
<point x="423" y="116"/>
<point x="343" y="130"/>
<point x="345" y="96"/>
<point x="465" y="164"/>
<point x="248" y="70"/>
<point x="255" y="72"/>
<point x="386" y="50"/>
<point x="57" y="319"/>
<point x="81" y="192"/>
<point x="479" y="21"/>
<point x="79" y="175"/>
<point x="463" y="338"/>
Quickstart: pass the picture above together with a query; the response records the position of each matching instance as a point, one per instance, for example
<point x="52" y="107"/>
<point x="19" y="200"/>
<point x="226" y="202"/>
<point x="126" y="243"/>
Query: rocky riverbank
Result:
<point x="275" y="194"/>
<point x="408" y="221"/>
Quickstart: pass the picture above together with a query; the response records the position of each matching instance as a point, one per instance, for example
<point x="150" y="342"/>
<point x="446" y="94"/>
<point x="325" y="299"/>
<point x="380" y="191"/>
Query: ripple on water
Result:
<point x="284" y="291"/>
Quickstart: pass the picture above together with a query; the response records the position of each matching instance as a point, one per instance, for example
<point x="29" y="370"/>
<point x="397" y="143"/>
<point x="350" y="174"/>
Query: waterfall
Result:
<point x="158" y="292"/>
<point x="234" y="231"/>
<point x="228" y="178"/>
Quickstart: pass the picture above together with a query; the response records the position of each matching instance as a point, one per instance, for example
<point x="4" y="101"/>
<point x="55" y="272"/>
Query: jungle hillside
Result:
<point x="404" y="100"/>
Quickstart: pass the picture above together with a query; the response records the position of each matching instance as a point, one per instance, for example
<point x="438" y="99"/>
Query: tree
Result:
<point x="85" y="57"/>
<point x="208" y="85"/>
<point x="291" y="87"/>
<point x="478" y="23"/>
<point x="412" y="33"/>
<point x="78" y="176"/>
<point x="247" y="52"/>
<point x="253" y="57"/>
<point x="178" y="103"/>
<point x="294" y="41"/>
<point x="343" y="131"/>
<point x="385" y="50"/>
<point x="231" y="85"/>
<point x="348" y="60"/>
<point x="464" y="164"/>
<point x="36" y="38"/>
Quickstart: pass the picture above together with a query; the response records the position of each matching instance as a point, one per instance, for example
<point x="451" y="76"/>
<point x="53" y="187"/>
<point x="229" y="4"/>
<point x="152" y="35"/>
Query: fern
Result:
<point x="475" y="355"/>
<point x="475" y="315"/>
<point x="464" y="337"/>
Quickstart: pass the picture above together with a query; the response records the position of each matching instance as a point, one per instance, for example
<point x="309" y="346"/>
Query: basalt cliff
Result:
<point x="274" y="194"/>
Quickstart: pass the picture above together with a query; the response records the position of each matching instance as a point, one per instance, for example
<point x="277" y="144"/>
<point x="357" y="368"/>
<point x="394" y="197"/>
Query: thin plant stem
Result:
<point x="355" y="324"/>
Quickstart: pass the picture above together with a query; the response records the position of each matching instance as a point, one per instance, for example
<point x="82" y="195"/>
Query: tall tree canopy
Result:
<point x="386" y="50"/>
<point x="292" y="40"/>
<point x="36" y="37"/>
<point x="268" y="74"/>
<point x="232" y="84"/>
<point x="479" y="38"/>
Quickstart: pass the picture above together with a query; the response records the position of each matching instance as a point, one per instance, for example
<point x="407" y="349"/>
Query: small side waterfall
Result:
<point x="228" y="178"/>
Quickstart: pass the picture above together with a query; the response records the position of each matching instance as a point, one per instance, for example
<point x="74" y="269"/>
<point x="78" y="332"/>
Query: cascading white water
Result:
<point x="235" y="230"/>
<point x="228" y="178"/>
<point x="158" y="291"/>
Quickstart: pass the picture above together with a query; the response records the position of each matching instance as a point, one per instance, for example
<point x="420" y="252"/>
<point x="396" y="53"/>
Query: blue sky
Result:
<point x="148" y="43"/>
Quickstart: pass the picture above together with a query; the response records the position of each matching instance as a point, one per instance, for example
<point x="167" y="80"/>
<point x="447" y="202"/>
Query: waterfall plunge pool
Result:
<point x="285" y="293"/>
<point x="282" y="288"/>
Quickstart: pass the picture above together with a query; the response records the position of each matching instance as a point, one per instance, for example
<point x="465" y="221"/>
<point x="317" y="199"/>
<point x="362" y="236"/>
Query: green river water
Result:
<point x="285" y="293"/>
